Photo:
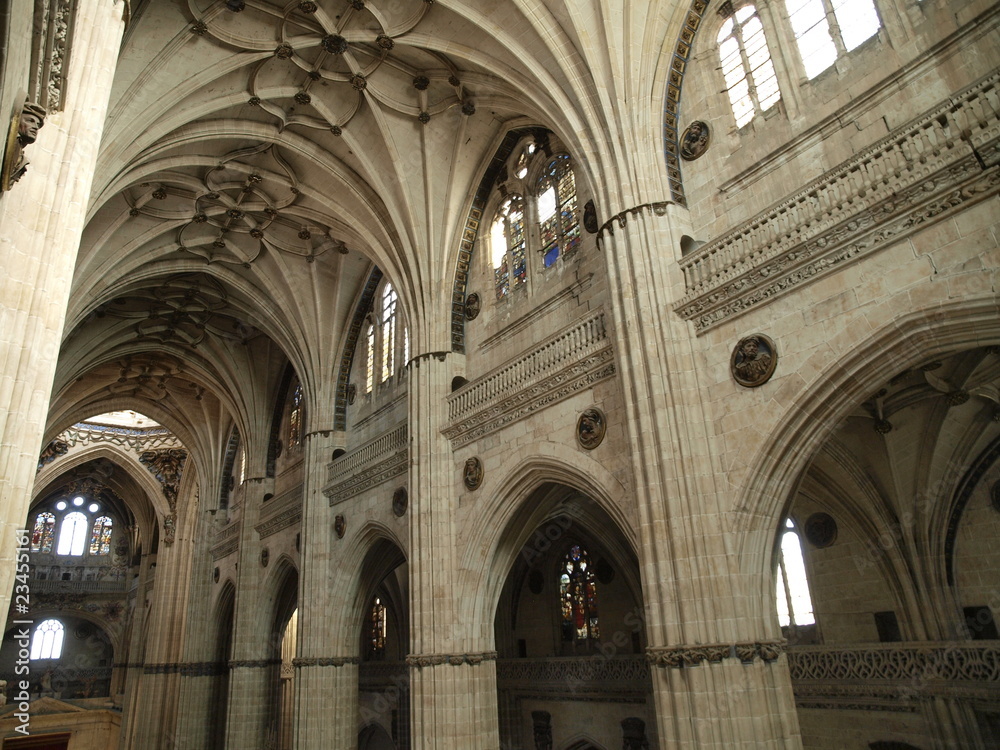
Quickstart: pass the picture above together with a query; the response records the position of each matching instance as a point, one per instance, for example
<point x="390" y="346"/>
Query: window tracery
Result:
<point x="47" y="640"/>
<point x="826" y="29"/>
<point x="507" y="246"/>
<point x="578" y="597"/>
<point x="72" y="534"/>
<point x="558" y="221"/>
<point x="746" y="65"/>
<point x="386" y="339"/>
<point x="388" y="332"/>
<point x="100" y="537"/>
<point x="43" y="534"/>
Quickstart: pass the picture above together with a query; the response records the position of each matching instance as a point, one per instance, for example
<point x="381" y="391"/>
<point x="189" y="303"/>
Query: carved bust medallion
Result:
<point x="694" y="141"/>
<point x="473" y="304"/>
<point x="753" y="360"/>
<point x="821" y="530"/>
<point x="340" y="525"/>
<point x="473" y="473"/>
<point x="590" y="428"/>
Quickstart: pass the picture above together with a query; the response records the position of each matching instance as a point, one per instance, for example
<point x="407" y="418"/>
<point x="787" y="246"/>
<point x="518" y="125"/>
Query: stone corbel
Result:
<point x="22" y="132"/>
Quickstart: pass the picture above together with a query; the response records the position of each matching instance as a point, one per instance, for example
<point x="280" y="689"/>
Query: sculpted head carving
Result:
<point x="31" y="120"/>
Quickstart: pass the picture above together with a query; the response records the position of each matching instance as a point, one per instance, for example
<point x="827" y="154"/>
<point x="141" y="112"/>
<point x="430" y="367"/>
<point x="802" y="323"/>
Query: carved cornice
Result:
<point x="621" y="218"/>
<point x="921" y="662"/>
<point x="373" y="476"/>
<point x="935" y="165"/>
<point x="325" y="661"/>
<point x="185" y="669"/>
<point x="419" y="661"/>
<point x="571" y="361"/>
<point x="283" y="520"/>
<point x="676" y="657"/>
<point x="132" y="439"/>
<point x="225" y="549"/>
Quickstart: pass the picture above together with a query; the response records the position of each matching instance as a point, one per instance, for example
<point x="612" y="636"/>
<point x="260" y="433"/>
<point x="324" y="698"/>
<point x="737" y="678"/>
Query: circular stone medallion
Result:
<point x="472" y="475"/>
<point x="590" y="428"/>
<point x="821" y="530"/>
<point x="694" y="141"/>
<point x="753" y="361"/>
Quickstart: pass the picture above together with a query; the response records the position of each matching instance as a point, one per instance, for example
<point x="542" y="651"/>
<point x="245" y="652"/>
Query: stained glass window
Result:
<point x="388" y="332"/>
<point x="507" y="246"/>
<point x="295" y="417"/>
<point x="73" y="534"/>
<point x="100" y="537"/>
<point x="370" y="359"/>
<point x="377" y="631"/>
<point x="47" y="640"/>
<point x="578" y="597"/>
<point x="557" y="214"/>
<point x="794" y="603"/>
<point x="43" y="535"/>
<point x="746" y="65"/>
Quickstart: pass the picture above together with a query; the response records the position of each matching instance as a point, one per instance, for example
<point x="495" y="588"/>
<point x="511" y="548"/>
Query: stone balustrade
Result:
<point x="920" y="172"/>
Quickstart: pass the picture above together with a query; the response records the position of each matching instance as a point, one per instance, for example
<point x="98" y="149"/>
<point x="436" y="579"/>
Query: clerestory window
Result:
<point x="746" y="65"/>
<point x="792" y="595"/>
<point x="47" y="640"/>
<point x="826" y="29"/>
<point x="578" y="596"/>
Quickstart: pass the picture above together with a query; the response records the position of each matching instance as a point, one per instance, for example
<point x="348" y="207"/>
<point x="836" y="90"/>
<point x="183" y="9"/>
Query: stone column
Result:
<point x="720" y="676"/>
<point x="41" y="222"/>
<point x="326" y="667"/>
<point x="254" y="655"/>
<point x="453" y="690"/>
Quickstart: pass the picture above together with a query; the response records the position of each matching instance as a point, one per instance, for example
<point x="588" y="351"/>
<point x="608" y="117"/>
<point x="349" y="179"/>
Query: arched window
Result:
<point x="825" y="29"/>
<point x="557" y="216"/>
<point x="794" y="603"/>
<point x="388" y="332"/>
<point x="47" y="640"/>
<point x="295" y="417"/>
<point x="376" y="629"/>
<point x="507" y="245"/>
<point x="578" y="596"/>
<point x="243" y="465"/>
<point x="100" y="537"/>
<point x="370" y="358"/>
<point x="43" y="535"/>
<point x="746" y="65"/>
<point x="72" y="534"/>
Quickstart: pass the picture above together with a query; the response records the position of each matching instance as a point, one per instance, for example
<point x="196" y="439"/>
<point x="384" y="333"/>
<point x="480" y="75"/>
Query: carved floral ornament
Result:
<point x="231" y="213"/>
<point x="329" y="56"/>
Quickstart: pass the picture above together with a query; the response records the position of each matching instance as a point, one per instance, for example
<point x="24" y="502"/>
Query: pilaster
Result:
<point x="735" y="691"/>
<point x="41" y="222"/>
<point x="452" y="667"/>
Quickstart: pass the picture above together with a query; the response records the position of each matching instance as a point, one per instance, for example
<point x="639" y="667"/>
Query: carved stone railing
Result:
<point x="893" y="676"/>
<point x="374" y="462"/>
<point x="619" y="675"/>
<point x="568" y="362"/>
<point x="226" y="542"/>
<point x="919" y="173"/>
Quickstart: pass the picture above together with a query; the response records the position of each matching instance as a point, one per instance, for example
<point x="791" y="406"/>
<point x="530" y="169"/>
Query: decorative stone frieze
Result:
<point x="253" y="663"/>
<point x="325" y="661"/>
<point x="918" y="174"/>
<point x="571" y="361"/>
<point x="135" y="440"/>
<point x="897" y="661"/>
<point x="675" y="657"/>
<point x="283" y="520"/>
<point x="370" y="465"/>
<point x="432" y="660"/>
<point x="227" y="541"/>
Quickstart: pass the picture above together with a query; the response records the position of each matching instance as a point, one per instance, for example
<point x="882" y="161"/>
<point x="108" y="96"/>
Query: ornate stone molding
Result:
<point x="283" y="520"/>
<point x="565" y="364"/>
<point x="325" y="661"/>
<point x="50" y="51"/>
<point x="167" y="466"/>
<point x="419" y="661"/>
<point x="51" y="452"/>
<point x="676" y="657"/>
<point x="393" y="466"/>
<point x="253" y="663"/>
<point x="621" y="218"/>
<point x="572" y="673"/>
<point x="921" y="662"/>
<point x="138" y="441"/>
<point x="185" y="669"/>
<point x="919" y="174"/>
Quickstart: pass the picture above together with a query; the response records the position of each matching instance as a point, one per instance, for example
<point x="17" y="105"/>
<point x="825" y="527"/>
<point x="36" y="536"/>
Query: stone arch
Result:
<point x="778" y="465"/>
<point x="524" y="494"/>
